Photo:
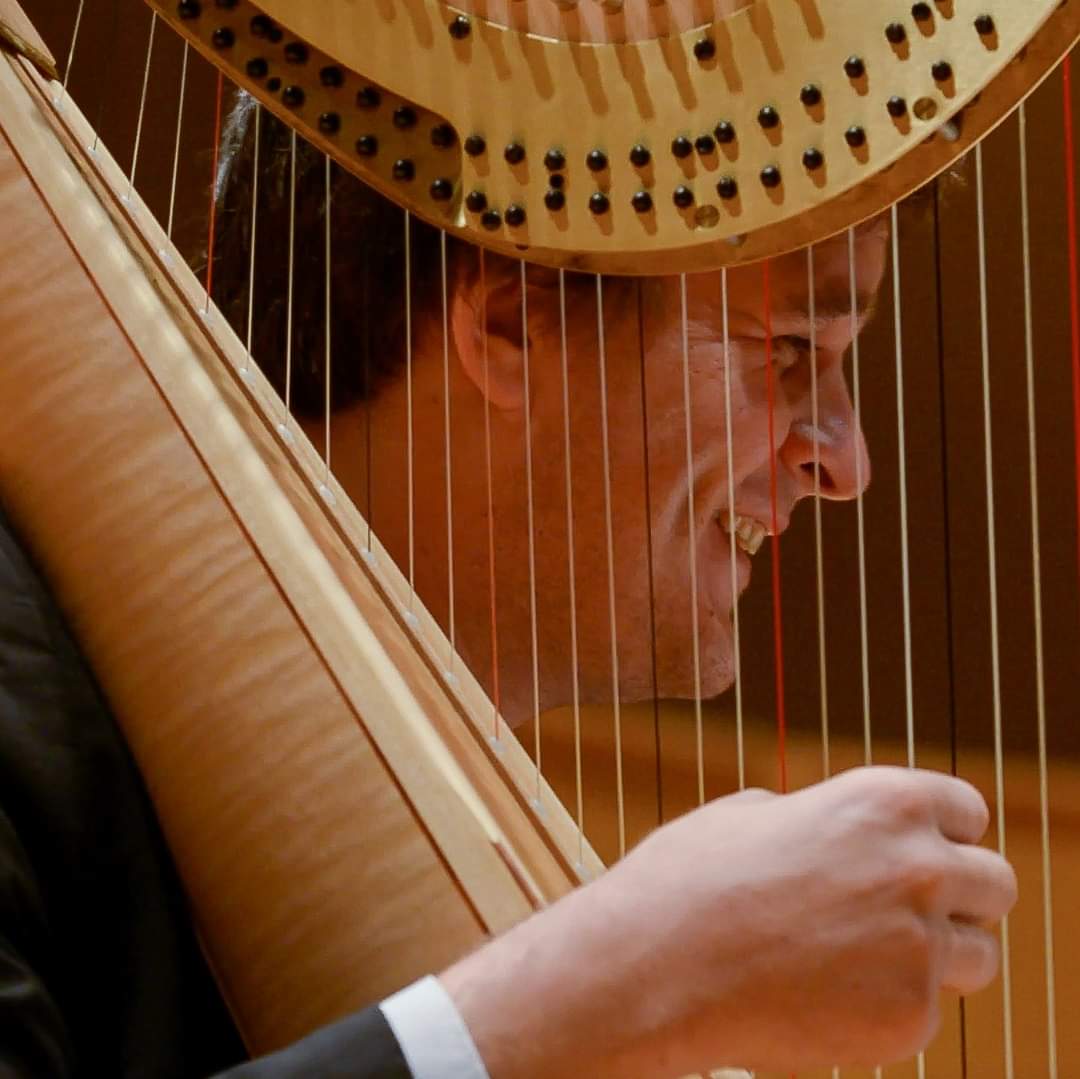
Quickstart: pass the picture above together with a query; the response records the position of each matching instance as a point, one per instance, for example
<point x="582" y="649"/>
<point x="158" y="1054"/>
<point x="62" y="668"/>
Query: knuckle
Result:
<point x="923" y="871"/>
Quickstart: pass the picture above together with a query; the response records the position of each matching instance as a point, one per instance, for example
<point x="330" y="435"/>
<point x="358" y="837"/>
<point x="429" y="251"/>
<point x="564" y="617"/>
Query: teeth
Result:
<point x="749" y="533"/>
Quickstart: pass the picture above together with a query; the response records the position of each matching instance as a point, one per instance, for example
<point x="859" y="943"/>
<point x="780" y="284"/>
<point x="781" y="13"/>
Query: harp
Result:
<point x="348" y="729"/>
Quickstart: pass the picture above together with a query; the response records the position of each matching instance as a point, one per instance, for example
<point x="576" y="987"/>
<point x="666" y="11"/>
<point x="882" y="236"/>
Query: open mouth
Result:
<point x="750" y="533"/>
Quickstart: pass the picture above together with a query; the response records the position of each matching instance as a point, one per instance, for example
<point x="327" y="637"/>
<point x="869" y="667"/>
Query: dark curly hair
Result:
<point x="367" y="271"/>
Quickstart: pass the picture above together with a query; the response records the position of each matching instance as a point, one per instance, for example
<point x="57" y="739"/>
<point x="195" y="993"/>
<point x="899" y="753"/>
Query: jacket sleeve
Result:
<point x="100" y="972"/>
<point x="361" y="1046"/>
<point x="34" y="1040"/>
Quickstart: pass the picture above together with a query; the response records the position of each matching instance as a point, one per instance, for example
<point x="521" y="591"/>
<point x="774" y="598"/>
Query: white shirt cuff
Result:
<point x="432" y="1035"/>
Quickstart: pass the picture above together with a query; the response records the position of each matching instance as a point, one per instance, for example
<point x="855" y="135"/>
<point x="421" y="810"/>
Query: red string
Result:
<point x="778" y="625"/>
<point x="213" y="190"/>
<point x="490" y="504"/>
<point x="1074" y="271"/>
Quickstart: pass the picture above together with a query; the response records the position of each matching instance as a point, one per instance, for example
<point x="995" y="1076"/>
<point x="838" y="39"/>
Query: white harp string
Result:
<point x="1036" y="584"/>
<point x="570" y="565"/>
<point x="859" y="481"/>
<point x="815" y="419"/>
<point x="740" y="746"/>
<point x="691" y="531"/>
<point x="490" y="492"/>
<point x="329" y="334"/>
<point x="254" y="228"/>
<point x="609" y="536"/>
<point x="292" y="271"/>
<point x="71" y="51"/>
<point x="176" y="147"/>
<point x="142" y="106"/>
<point x="905" y="565"/>
<point x="409" y="477"/>
<point x="995" y="656"/>
<point x="448" y="449"/>
<point x="534" y="641"/>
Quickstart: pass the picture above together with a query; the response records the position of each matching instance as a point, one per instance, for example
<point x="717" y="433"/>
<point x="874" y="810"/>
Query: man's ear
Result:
<point x="488" y="336"/>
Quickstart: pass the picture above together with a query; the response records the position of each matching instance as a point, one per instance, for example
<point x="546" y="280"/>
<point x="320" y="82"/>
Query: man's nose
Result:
<point x="835" y="444"/>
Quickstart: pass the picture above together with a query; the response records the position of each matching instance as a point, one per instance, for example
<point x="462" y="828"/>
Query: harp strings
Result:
<point x="778" y="624"/>
<point x="176" y="158"/>
<point x="1036" y="584"/>
<point x="564" y="363"/>
<point x="142" y="104"/>
<point x="1051" y="1033"/>
<point x="692" y="533"/>
<point x="819" y="553"/>
<point x="605" y="440"/>
<point x="447" y="449"/>
<point x="991" y="537"/>
<point x="489" y="492"/>
<point x="725" y="329"/>
<point x="864" y="637"/>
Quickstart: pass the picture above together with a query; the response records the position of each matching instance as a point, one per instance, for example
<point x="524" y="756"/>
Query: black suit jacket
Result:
<point x="100" y="973"/>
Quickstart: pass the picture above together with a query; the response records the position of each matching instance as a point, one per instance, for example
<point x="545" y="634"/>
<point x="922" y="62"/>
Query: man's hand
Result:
<point x="770" y="931"/>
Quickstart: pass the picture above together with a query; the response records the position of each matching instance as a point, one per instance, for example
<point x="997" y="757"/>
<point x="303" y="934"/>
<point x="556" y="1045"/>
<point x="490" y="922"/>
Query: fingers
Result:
<point x="960" y="810"/>
<point x="972" y="958"/>
<point x="980" y="886"/>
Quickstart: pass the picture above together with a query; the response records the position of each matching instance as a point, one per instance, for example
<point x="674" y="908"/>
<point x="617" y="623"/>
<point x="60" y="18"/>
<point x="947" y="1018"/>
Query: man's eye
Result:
<point x="788" y="351"/>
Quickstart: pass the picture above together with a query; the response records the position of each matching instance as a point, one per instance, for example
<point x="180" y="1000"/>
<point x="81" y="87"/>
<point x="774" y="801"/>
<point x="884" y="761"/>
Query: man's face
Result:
<point x="646" y="487"/>
<point x="628" y="605"/>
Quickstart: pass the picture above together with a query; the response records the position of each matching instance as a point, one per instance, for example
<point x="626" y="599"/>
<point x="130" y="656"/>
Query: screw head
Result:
<point x="810" y="95"/>
<point x="332" y="76"/>
<point x="769" y="118"/>
<point x="514" y="215"/>
<point x="367" y="145"/>
<point x="491" y="220"/>
<point x="724" y="132"/>
<point x="368" y="98"/>
<point x="296" y="52"/>
<point x="942" y="71"/>
<point x="985" y="25"/>
<point x="599" y="203"/>
<point x="640" y="156"/>
<point x="727" y="187"/>
<point x="705" y="145"/>
<point x="475" y="145"/>
<point x="293" y="96"/>
<point x="855" y="67"/>
<point x="921" y="12"/>
<point x="476" y="202"/>
<point x="554" y="160"/>
<point x="460" y="27"/>
<point x="189" y="9"/>
<point x="554" y="199"/>
<point x="642" y="202"/>
<point x="681" y="146"/>
<point x="329" y="123"/>
<point x="223" y="38"/>
<point x="443" y="136"/>
<point x="813" y="159"/>
<point x="404" y="117"/>
<point x="704" y="49"/>
<point x="683" y="197"/>
<point x="514" y="153"/>
<point x="441" y="189"/>
<point x="895" y="33"/>
<point x="855" y="137"/>
<point x="596" y="161"/>
<point x="770" y="176"/>
<point x="897" y="107"/>
<point x="257" y="68"/>
<point x="404" y="169"/>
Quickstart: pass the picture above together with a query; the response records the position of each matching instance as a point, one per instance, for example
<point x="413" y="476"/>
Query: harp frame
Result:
<point x="468" y="803"/>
